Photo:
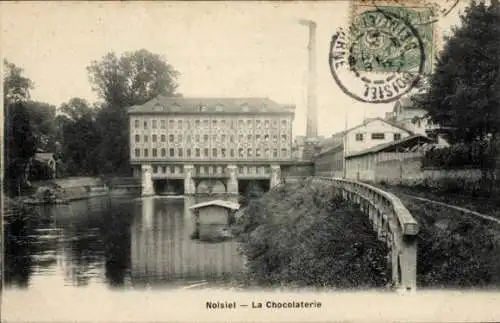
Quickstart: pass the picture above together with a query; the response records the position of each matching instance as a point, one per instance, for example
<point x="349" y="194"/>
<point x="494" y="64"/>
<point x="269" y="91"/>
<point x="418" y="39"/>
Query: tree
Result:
<point x="42" y="119"/>
<point x="134" y="78"/>
<point x="20" y="144"/>
<point x="464" y="89"/>
<point x="79" y="137"/>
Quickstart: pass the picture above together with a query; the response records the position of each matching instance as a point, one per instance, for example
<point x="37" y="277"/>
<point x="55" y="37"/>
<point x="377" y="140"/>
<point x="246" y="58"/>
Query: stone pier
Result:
<point x="232" y="182"/>
<point x="189" y="184"/>
<point x="275" y="176"/>
<point x="147" y="181"/>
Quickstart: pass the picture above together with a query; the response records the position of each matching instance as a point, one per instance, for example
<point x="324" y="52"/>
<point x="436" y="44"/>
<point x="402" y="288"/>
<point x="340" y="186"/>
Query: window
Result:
<point x="163" y="124"/>
<point x="257" y="137"/>
<point x="155" y="169"/>
<point x="283" y="123"/>
<point x="179" y="152"/>
<point x="145" y="138"/>
<point x="266" y="123"/>
<point x="197" y="151"/>
<point x="223" y="138"/>
<point x="397" y="136"/>
<point x="240" y="152"/>
<point x="267" y="152"/>
<point x="266" y="137"/>
<point x="188" y="152"/>
<point x="249" y="123"/>
<point x="163" y="138"/>
<point x="214" y="123"/>
<point x="378" y="136"/>
<point x="283" y="137"/>
<point x="154" y="138"/>
<point x="137" y="138"/>
<point x="154" y="124"/>
<point x="232" y="152"/>
<point x="214" y="138"/>
<point x="231" y="139"/>
<point x="240" y="123"/>
<point x="171" y="138"/>
<point x="359" y="137"/>
<point x="146" y="152"/>
<point x="171" y="124"/>
<point x="257" y="152"/>
<point x="171" y="152"/>
<point x="214" y="152"/>
<point x="197" y="123"/>
<point x="188" y="139"/>
<point x="145" y="124"/>
<point x="205" y="138"/>
<point x="137" y="152"/>
<point x="275" y="152"/>
<point x="155" y="152"/>
<point x="283" y="152"/>
<point x="163" y="152"/>
<point x="249" y="152"/>
<point x="205" y="123"/>
<point x="136" y="123"/>
<point x="241" y="138"/>
<point x="197" y="138"/>
<point x="179" y="138"/>
<point x="223" y="152"/>
<point x="223" y="122"/>
<point x="249" y="137"/>
<point x="205" y="152"/>
<point x="179" y="124"/>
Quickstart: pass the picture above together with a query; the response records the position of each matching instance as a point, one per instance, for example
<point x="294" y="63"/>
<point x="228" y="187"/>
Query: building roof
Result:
<point x="402" y="143"/>
<point x="163" y="104"/>
<point x="337" y="138"/>
<point x="222" y="203"/>
<point x="326" y="150"/>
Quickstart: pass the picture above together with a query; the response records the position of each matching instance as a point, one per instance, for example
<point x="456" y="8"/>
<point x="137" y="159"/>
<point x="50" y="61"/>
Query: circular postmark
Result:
<point x="379" y="59"/>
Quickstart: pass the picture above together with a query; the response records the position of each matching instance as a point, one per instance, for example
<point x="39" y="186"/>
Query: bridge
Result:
<point x="392" y="222"/>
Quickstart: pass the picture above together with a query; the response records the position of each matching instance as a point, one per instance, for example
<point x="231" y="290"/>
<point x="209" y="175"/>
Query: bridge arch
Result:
<point x="390" y="219"/>
<point x="210" y="186"/>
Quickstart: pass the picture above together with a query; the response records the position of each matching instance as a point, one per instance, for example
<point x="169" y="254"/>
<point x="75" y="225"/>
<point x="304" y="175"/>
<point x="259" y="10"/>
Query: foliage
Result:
<point x="79" y="138"/>
<point x="464" y="87"/>
<point x="476" y="154"/>
<point x="20" y="143"/>
<point x="304" y="235"/>
<point x="455" y="249"/>
<point x="134" y="78"/>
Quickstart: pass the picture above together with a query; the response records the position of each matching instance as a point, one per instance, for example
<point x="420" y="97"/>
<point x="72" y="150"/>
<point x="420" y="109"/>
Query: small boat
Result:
<point x="213" y="220"/>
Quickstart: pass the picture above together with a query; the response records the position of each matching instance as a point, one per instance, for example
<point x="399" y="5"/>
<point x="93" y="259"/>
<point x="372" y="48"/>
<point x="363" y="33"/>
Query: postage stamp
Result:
<point x="386" y="50"/>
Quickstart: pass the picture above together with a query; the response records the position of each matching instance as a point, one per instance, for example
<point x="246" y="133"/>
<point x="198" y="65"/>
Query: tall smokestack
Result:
<point x="312" y="116"/>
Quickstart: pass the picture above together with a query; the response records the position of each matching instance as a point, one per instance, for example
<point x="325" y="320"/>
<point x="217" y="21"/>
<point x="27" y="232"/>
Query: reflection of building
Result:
<point x="197" y="139"/>
<point x="162" y="249"/>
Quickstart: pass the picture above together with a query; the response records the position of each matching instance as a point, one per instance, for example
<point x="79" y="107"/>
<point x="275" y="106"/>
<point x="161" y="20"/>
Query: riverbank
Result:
<point x="303" y="235"/>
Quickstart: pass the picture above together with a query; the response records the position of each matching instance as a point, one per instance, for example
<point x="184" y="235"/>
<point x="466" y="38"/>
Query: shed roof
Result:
<point x="410" y="140"/>
<point x="222" y="203"/>
<point x="44" y="156"/>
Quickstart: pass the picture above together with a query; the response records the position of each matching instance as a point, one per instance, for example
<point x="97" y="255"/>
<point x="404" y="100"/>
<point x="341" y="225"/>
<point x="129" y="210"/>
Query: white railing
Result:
<point x="390" y="219"/>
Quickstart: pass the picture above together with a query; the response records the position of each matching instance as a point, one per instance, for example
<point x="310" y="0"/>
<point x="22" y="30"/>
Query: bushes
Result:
<point x="478" y="154"/>
<point x="303" y="235"/>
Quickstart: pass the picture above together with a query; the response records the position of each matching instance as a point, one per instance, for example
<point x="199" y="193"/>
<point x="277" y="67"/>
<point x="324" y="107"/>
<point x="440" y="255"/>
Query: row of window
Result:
<point x="197" y="123"/>
<point x="211" y="170"/>
<point x="197" y="138"/>
<point x="377" y="136"/>
<point x="216" y="152"/>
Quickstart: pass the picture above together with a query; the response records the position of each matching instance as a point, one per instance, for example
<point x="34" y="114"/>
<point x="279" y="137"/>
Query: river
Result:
<point x="115" y="243"/>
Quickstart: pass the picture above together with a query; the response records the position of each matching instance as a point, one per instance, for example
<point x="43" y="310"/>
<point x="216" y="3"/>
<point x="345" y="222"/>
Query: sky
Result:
<point x="221" y="49"/>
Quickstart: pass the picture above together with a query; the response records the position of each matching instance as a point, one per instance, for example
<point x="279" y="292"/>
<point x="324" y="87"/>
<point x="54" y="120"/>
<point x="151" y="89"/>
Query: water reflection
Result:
<point x="162" y="250"/>
<point x="111" y="242"/>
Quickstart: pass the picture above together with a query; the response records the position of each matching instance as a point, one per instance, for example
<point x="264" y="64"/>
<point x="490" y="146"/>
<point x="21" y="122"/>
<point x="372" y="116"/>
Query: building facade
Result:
<point x="201" y="138"/>
<point x="330" y="161"/>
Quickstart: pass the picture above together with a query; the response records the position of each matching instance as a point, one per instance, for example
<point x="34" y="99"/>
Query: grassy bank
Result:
<point x="301" y="235"/>
<point x="455" y="249"/>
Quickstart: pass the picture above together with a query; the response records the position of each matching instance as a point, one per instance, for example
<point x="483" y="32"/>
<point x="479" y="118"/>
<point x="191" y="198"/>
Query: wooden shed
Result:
<point x="213" y="219"/>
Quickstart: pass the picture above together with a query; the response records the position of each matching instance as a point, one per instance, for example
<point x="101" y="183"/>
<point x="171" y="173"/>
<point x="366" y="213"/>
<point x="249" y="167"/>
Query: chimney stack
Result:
<point x="312" y="117"/>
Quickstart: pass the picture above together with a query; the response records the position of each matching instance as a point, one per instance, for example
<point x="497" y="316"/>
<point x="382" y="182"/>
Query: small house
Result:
<point x="213" y="218"/>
